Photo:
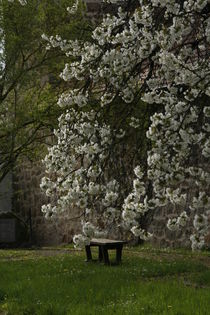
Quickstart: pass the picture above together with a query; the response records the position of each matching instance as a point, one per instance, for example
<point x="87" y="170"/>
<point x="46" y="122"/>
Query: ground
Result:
<point x="57" y="281"/>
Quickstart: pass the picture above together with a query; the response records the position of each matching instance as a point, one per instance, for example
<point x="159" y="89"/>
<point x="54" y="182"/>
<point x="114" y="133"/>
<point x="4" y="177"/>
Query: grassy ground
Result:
<point x="149" y="281"/>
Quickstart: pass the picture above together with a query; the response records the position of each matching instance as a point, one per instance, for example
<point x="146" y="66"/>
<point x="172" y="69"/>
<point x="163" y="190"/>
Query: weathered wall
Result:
<point x="6" y="193"/>
<point x="28" y="197"/>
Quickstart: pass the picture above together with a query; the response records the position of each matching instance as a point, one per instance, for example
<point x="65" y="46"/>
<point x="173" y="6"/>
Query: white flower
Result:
<point x="141" y="233"/>
<point x="88" y="229"/>
<point x="81" y="241"/>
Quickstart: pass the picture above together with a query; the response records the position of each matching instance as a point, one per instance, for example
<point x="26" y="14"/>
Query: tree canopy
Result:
<point x="29" y="76"/>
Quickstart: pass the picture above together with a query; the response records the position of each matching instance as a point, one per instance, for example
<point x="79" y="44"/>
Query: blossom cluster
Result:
<point x="74" y="172"/>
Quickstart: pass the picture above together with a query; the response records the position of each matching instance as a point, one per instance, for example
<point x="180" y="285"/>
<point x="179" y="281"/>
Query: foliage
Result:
<point x="29" y="77"/>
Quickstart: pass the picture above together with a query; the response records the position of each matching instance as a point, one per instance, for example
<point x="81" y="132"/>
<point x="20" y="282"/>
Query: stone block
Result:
<point x="7" y="230"/>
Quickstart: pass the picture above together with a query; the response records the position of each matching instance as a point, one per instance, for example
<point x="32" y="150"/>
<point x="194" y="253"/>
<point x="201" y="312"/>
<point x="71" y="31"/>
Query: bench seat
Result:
<point x="103" y="246"/>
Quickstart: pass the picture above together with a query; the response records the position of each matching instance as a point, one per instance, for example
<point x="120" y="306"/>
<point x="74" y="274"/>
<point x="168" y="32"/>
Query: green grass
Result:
<point x="147" y="282"/>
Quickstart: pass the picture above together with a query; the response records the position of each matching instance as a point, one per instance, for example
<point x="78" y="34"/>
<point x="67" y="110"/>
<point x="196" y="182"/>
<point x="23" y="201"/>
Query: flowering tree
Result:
<point x="151" y="51"/>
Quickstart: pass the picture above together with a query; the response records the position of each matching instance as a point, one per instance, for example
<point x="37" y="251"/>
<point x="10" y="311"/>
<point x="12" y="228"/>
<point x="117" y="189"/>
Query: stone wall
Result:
<point x="95" y="9"/>
<point x="6" y="193"/>
<point x="28" y="199"/>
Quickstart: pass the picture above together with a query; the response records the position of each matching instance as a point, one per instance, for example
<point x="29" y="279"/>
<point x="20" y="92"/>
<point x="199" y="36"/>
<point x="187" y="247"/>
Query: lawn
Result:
<point x="149" y="281"/>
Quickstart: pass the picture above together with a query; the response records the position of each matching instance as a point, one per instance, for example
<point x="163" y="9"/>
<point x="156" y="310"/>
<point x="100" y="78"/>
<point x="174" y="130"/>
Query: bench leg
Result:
<point x="119" y="254"/>
<point x="105" y="255"/>
<point x="100" y="253"/>
<point x="88" y="253"/>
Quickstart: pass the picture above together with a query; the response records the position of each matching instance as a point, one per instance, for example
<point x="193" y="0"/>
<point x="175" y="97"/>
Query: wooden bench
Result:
<point x="103" y="246"/>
